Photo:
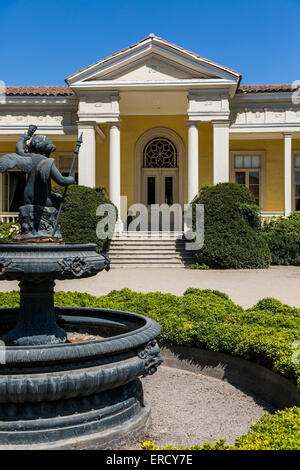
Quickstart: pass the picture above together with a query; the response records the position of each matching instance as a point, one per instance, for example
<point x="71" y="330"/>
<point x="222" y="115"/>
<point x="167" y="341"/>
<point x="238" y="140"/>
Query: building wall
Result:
<point x="274" y="169"/>
<point x="134" y="126"/>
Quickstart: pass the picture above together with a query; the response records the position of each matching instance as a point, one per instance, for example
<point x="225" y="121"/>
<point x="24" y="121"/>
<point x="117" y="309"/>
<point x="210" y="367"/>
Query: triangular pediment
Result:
<point x="152" y="68"/>
<point x="152" y="60"/>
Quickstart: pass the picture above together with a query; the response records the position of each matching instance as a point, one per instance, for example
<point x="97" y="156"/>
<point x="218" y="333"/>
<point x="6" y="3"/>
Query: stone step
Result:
<point x="146" y="251"/>
<point x="150" y="249"/>
<point x="146" y="266"/>
<point x="149" y="236"/>
<point x="149" y="256"/>
<point x="150" y="262"/>
<point x="148" y="242"/>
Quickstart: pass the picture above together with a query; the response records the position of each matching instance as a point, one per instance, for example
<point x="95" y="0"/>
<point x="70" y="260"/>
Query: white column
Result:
<point x="221" y="152"/>
<point x="287" y="173"/>
<point x="115" y="165"/>
<point x="87" y="155"/>
<point x="193" y="160"/>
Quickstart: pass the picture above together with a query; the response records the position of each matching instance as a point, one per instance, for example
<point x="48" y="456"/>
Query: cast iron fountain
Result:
<point x="53" y="392"/>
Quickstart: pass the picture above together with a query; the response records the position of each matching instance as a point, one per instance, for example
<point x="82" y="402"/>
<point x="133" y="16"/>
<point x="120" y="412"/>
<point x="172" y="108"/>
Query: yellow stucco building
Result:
<point x="159" y="122"/>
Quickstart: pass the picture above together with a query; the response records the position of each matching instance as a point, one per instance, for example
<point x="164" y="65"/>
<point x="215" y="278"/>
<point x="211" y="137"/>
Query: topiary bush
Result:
<point x="78" y="219"/>
<point x="233" y="236"/>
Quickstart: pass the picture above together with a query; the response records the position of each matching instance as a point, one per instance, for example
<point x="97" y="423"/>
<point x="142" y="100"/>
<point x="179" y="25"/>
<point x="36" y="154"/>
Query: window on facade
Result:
<point x="297" y="182"/>
<point x="151" y="190"/>
<point x="160" y="153"/>
<point x="247" y="173"/>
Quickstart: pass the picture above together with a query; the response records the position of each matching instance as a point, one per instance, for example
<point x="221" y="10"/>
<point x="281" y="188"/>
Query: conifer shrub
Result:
<point x="232" y="230"/>
<point x="78" y="218"/>
<point x="283" y="238"/>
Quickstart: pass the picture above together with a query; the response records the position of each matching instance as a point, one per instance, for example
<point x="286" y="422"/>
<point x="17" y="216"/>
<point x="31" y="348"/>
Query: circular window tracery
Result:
<point x="160" y="152"/>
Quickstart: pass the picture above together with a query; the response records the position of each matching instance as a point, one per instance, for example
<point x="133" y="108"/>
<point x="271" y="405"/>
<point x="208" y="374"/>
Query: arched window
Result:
<point x="160" y="152"/>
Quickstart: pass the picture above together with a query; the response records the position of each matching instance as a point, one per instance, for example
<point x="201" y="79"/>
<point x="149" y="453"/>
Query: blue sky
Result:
<point x="44" y="41"/>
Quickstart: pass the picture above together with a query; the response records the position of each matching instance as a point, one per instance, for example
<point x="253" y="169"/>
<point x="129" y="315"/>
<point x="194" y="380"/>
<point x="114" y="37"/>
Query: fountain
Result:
<point x="55" y="392"/>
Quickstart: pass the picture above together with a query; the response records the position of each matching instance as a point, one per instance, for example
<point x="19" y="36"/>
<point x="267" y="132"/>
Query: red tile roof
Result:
<point x="266" y="88"/>
<point x="39" y="91"/>
<point x="61" y="90"/>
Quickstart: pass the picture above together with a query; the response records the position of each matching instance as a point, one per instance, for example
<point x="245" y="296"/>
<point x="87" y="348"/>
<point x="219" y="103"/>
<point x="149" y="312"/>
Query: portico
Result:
<point x="158" y="123"/>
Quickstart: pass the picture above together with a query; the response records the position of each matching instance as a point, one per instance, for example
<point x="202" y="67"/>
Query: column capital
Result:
<point x="192" y="122"/>
<point x="86" y="124"/>
<point x="114" y="123"/>
<point x="287" y="134"/>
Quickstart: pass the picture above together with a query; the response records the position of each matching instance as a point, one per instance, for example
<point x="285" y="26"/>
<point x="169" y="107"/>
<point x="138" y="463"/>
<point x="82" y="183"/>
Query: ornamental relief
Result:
<point x="38" y="118"/>
<point x="265" y="115"/>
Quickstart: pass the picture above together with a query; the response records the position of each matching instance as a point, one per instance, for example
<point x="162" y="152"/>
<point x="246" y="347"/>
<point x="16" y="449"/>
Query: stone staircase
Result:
<point x="149" y="249"/>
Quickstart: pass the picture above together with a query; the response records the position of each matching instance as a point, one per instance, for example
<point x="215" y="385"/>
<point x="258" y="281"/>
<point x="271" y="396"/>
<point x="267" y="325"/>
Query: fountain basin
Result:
<point x="47" y="261"/>
<point x="58" y="392"/>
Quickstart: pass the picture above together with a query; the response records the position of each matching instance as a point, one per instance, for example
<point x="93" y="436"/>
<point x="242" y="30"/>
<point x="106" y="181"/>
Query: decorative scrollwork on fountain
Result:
<point x="150" y="354"/>
<point x="77" y="267"/>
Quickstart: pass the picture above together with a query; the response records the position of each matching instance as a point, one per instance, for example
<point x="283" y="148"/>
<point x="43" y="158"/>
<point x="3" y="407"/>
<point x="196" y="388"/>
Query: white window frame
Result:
<point x="262" y="170"/>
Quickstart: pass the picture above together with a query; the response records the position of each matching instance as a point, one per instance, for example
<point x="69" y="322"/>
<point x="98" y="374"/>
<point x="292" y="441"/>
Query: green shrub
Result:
<point x="197" y="266"/>
<point x="232" y="237"/>
<point x="283" y="238"/>
<point x="284" y="248"/>
<point x="8" y="231"/>
<point x="290" y="224"/>
<point x="280" y="431"/>
<point x="196" y="290"/>
<point x="219" y="445"/>
<point x="78" y="219"/>
<point x="269" y="303"/>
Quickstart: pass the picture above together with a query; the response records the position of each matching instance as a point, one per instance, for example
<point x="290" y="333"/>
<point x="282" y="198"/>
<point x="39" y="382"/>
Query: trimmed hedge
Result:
<point x="232" y="236"/>
<point x="206" y="319"/>
<point x="78" y="218"/>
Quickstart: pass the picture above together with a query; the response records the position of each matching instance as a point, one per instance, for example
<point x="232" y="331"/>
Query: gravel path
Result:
<point x="245" y="286"/>
<point x="189" y="408"/>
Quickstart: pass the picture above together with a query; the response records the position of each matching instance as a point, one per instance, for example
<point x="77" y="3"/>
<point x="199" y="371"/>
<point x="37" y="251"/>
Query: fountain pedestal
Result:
<point x="37" y="322"/>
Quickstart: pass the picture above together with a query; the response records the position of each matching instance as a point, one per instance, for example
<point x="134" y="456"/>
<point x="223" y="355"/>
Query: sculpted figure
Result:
<point x="37" y="216"/>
